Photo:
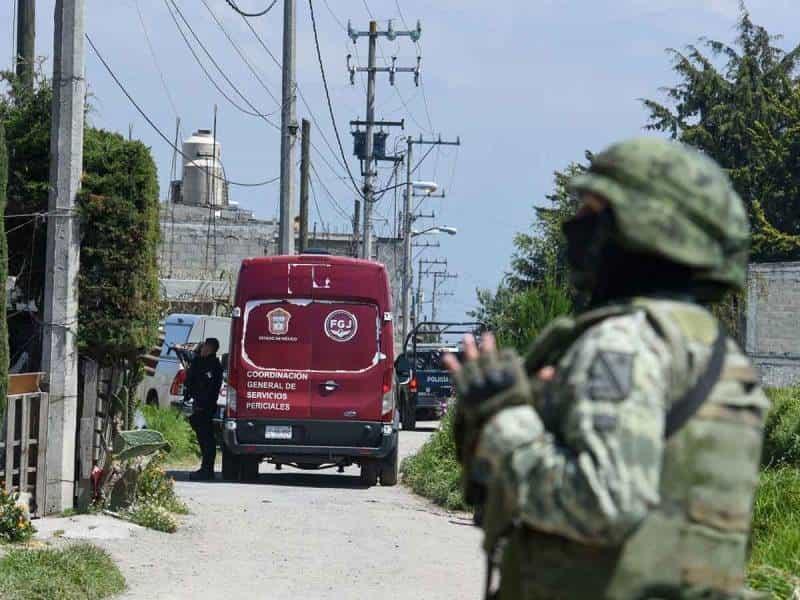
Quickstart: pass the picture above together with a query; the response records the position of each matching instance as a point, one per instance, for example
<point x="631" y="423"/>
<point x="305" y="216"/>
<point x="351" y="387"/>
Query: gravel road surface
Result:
<point x="311" y="535"/>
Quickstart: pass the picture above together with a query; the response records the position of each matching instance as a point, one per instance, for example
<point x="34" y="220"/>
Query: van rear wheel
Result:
<point x="408" y="414"/>
<point x="250" y="466"/>
<point x="231" y="465"/>
<point x="369" y="473"/>
<point x="389" y="468"/>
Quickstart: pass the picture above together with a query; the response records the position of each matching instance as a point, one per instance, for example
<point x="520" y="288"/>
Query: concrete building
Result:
<point x="202" y="248"/>
<point x="205" y="236"/>
<point x="773" y="321"/>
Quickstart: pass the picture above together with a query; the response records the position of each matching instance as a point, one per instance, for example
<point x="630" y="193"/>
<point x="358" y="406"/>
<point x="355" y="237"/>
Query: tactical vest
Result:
<point x="694" y="543"/>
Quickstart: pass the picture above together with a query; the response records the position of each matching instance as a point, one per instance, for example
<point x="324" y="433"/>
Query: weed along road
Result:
<point x="297" y="534"/>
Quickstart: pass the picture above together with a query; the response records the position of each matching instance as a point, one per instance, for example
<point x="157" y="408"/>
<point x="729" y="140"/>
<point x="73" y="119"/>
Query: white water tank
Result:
<point x="203" y="178"/>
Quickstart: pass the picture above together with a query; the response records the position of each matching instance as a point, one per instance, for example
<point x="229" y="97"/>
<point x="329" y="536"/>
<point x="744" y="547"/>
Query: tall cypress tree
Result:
<point x="740" y="104"/>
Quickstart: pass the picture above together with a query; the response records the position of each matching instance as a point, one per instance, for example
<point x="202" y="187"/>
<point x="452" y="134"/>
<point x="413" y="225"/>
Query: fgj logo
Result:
<point x="278" y="321"/>
<point x="341" y="326"/>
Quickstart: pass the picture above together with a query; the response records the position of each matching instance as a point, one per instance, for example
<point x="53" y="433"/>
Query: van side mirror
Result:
<point x="224" y="361"/>
<point x="402" y="369"/>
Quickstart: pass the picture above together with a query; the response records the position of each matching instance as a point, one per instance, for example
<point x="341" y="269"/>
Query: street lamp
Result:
<point x="430" y="187"/>
<point x="435" y="229"/>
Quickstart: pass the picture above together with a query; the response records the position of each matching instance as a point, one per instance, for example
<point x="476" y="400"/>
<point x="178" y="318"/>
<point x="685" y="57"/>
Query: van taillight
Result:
<point x="413" y="384"/>
<point x="176" y="389"/>
<point x="388" y="375"/>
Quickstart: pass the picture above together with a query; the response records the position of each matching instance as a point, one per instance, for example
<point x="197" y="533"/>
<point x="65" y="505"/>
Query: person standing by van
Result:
<point x="203" y="383"/>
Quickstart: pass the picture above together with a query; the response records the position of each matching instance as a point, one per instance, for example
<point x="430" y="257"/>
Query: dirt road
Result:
<point x="314" y="535"/>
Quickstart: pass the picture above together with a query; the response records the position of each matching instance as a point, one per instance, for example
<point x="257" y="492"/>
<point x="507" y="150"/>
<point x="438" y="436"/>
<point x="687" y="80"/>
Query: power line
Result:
<point x="332" y="198"/>
<point x="333" y="14"/>
<point x="155" y="59"/>
<point x="328" y="98"/>
<point x="256" y="112"/>
<point x="424" y="96"/>
<point x="232" y="4"/>
<point x="325" y="139"/>
<point x="156" y="128"/>
<point x="316" y="203"/>
<point x="277" y="62"/>
<point x="240" y="53"/>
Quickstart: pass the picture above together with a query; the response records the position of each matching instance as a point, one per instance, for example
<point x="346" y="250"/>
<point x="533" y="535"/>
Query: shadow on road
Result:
<point x="287" y="479"/>
<point x="430" y="429"/>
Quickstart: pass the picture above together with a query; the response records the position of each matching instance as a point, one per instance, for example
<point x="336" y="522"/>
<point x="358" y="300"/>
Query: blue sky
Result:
<point x="527" y="85"/>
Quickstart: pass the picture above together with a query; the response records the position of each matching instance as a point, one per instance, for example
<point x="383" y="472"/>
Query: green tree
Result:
<point x="541" y="255"/>
<point x="745" y="113"/>
<point x="517" y="317"/>
<point x="118" y="299"/>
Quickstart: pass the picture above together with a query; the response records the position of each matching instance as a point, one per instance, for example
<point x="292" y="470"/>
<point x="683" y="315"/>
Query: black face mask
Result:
<point x="586" y="235"/>
<point x="606" y="271"/>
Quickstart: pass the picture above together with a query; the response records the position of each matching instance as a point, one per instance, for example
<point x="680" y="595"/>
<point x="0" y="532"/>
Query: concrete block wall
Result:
<point x="184" y="253"/>
<point x="773" y="321"/>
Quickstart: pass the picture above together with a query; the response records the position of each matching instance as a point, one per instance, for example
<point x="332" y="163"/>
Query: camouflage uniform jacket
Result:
<point x="598" y="502"/>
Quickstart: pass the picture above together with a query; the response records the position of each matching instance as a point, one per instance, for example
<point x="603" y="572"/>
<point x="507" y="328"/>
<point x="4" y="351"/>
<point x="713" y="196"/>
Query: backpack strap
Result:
<point x="688" y="405"/>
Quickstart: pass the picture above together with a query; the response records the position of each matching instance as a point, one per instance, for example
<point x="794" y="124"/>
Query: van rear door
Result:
<point x="276" y="355"/>
<point x="346" y="366"/>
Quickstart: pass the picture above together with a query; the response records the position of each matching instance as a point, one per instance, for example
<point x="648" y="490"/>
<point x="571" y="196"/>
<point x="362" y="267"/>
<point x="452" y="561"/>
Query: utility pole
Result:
<point x="369" y="174"/>
<point x="26" y="41"/>
<point x="59" y="347"/>
<point x="420" y="273"/>
<point x="288" y="129"/>
<point x="436" y="278"/>
<point x="305" y="158"/>
<point x="408" y="220"/>
<point x="369" y="144"/>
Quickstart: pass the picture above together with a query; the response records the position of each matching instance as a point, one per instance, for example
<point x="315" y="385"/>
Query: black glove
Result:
<point x="484" y="387"/>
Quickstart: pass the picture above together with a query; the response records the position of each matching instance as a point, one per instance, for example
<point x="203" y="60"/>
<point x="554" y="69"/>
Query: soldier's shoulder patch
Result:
<point x="610" y="375"/>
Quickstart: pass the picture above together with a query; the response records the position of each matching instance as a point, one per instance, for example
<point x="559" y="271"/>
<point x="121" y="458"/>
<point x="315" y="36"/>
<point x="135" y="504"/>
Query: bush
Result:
<point x="156" y="488"/>
<point x="153" y="516"/>
<point x="15" y="524"/>
<point x="176" y="431"/>
<point x="78" y="572"/>
<point x="775" y="559"/>
<point x="782" y="435"/>
<point x="434" y="471"/>
<point x="155" y="500"/>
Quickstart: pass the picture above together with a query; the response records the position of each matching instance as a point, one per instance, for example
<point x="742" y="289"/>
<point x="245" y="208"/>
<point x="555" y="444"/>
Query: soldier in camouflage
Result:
<point x="620" y="458"/>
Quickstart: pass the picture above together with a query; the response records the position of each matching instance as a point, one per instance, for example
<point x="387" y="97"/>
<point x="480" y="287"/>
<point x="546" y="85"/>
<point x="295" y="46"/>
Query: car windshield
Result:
<point x="429" y="360"/>
<point x="174" y="334"/>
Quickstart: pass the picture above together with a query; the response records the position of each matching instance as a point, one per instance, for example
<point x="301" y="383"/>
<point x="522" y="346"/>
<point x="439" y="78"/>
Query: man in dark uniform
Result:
<point x="203" y="383"/>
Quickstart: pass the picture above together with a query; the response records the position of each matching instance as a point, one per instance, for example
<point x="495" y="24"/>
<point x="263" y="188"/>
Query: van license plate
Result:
<point x="278" y="432"/>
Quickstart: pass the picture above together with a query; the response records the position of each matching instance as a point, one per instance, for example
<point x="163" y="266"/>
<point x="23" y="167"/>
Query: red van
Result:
<point x="311" y="368"/>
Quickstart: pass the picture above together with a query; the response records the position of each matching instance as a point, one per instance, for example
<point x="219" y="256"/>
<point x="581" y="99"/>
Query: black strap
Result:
<point x="685" y="408"/>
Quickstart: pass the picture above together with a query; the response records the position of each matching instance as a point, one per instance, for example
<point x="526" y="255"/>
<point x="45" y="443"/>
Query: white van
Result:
<point x="180" y="329"/>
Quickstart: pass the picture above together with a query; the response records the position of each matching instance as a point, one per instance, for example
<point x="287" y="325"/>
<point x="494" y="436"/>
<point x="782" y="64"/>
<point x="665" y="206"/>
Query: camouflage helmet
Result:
<point x="672" y="201"/>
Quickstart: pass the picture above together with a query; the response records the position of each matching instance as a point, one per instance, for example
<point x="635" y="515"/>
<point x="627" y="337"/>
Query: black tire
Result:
<point x="250" y="466"/>
<point x="409" y="414"/>
<point x="231" y="466"/>
<point x="369" y="473"/>
<point x="389" y="468"/>
<point x="152" y="398"/>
